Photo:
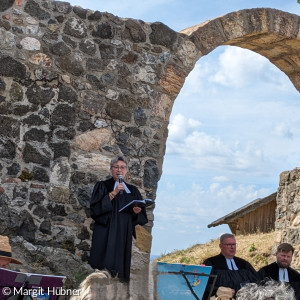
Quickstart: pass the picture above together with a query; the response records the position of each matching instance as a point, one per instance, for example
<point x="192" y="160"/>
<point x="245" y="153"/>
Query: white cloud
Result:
<point x="240" y="68"/>
<point x="203" y="145"/>
<point x="282" y="130"/>
<point x="220" y="178"/>
<point x="237" y="66"/>
<point x="170" y="186"/>
<point x="207" y="151"/>
<point x="196" y="205"/>
<point x="180" y="126"/>
<point x="194" y="83"/>
<point x="182" y="215"/>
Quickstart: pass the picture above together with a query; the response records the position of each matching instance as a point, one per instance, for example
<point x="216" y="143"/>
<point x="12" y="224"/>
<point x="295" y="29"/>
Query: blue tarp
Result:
<point x="179" y="281"/>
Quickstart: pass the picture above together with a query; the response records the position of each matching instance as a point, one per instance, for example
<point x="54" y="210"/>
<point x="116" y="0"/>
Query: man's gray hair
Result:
<point x="117" y="158"/>
<point x="271" y="289"/>
<point x="226" y="236"/>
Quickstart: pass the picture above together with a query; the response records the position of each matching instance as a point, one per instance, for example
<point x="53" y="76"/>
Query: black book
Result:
<point x="139" y="203"/>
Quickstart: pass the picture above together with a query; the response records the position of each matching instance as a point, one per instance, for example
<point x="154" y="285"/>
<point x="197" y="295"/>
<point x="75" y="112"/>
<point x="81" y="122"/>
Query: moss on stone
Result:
<point x="26" y="176"/>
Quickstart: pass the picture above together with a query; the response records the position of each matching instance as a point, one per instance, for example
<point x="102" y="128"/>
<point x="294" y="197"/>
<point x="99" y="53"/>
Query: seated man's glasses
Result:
<point x="230" y="245"/>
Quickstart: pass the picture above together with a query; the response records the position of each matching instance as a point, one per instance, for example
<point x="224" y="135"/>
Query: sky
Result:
<point x="234" y="126"/>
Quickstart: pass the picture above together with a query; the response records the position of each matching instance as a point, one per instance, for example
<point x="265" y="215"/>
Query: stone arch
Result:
<point x="269" y="32"/>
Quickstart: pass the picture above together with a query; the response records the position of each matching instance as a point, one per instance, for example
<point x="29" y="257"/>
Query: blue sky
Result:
<point x="234" y="126"/>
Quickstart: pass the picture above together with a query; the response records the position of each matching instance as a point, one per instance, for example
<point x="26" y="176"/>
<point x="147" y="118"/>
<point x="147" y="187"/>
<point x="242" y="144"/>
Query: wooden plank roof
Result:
<point x="243" y="210"/>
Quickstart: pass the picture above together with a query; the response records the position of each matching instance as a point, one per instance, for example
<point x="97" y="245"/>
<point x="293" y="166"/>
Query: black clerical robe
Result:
<point x="272" y="271"/>
<point x="233" y="279"/>
<point x="113" y="230"/>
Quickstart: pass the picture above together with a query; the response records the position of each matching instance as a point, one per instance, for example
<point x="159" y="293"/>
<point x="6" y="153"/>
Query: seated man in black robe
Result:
<point x="281" y="270"/>
<point x="231" y="271"/>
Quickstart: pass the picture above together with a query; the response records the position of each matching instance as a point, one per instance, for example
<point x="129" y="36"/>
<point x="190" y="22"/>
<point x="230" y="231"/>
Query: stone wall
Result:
<point x="79" y="86"/>
<point x="288" y="212"/>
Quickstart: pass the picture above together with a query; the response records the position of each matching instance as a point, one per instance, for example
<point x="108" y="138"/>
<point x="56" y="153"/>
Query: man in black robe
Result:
<point x="231" y="271"/>
<point x="113" y="230"/>
<point x="280" y="270"/>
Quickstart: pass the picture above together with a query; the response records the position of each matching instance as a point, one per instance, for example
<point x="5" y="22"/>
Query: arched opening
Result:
<point x="233" y="130"/>
<point x="271" y="33"/>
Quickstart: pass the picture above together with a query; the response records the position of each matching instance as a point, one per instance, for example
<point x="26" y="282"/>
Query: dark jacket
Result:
<point x="272" y="271"/>
<point x="233" y="279"/>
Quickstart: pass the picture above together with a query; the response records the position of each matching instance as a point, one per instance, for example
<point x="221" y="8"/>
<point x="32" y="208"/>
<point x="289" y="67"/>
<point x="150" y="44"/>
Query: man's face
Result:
<point x="4" y="262"/>
<point x="284" y="259"/>
<point x="228" y="247"/>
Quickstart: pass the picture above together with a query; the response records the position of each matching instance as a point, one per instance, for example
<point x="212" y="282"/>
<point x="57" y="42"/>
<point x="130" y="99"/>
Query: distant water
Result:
<point x="153" y="256"/>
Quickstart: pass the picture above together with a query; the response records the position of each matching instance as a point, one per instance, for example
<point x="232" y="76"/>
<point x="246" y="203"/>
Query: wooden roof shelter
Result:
<point x="258" y="215"/>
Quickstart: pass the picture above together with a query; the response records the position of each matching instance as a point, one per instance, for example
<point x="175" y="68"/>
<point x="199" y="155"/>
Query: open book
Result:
<point x="28" y="286"/>
<point x="140" y="203"/>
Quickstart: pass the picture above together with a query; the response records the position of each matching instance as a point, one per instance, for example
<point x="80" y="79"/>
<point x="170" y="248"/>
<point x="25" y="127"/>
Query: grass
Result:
<point x="255" y="248"/>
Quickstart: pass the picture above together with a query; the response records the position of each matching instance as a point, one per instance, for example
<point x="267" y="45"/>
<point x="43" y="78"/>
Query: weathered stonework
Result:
<point x="79" y="86"/>
<point x="288" y="212"/>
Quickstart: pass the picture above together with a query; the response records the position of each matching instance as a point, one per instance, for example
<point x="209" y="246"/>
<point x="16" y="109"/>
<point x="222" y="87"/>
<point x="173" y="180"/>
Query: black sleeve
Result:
<point x="262" y="273"/>
<point x="100" y="204"/>
<point x="141" y="218"/>
<point x="209" y="285"/>
<point x="207" y="262"/>
<point x="296" y="286"/>
<point x="294" y="275"/>
<point x="250" y="267"/>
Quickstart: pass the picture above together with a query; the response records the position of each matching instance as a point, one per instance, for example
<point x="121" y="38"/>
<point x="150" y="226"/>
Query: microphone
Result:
<point x="120" y="181"/>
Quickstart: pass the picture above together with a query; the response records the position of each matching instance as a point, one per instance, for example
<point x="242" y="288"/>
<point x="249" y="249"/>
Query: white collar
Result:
<point x="283" y="275"/>
<point x="231" y="264"/>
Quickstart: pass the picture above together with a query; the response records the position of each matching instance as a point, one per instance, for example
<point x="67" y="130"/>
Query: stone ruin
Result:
<point x="79" y="86"/>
